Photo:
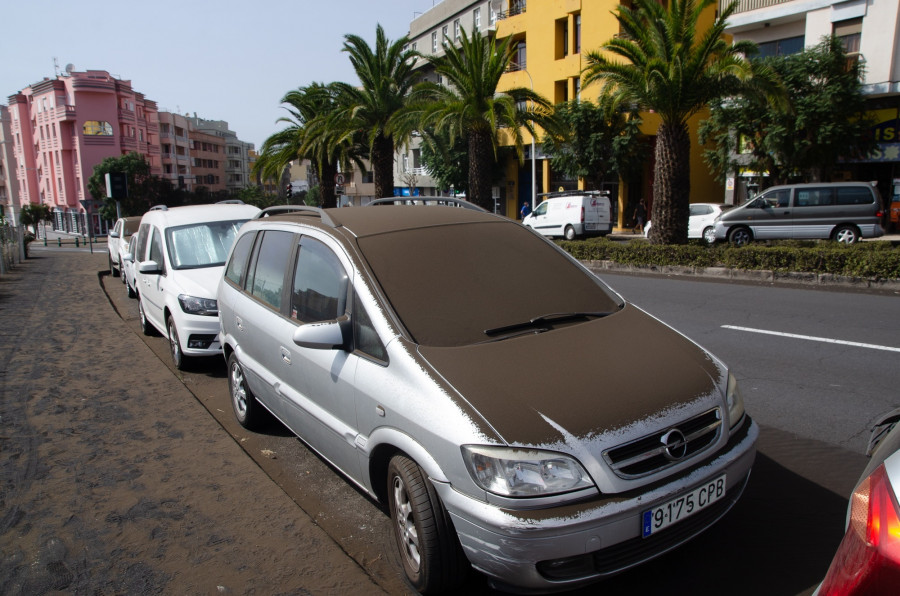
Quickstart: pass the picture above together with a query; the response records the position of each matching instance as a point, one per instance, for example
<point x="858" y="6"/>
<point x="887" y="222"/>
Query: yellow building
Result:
<point x="552" y="39"/>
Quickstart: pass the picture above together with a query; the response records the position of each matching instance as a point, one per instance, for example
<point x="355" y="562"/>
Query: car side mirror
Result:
<point x="150" y="268"/>
<point x="128" y="258"/>
<point x="113" y="234"/>
<point x="323" y="335"/>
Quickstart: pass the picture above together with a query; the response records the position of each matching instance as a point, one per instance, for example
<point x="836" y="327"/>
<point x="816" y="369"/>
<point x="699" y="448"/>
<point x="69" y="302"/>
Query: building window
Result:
<point x="476" y="19"/>
<point x="434" y="42"/>
<point x="444" y="33"/>
<point x="577" y="48"/>
<point x="97" y="128"/>
<point x="781" y="47"/>
<point x="456" y="30"/>
<point x="492" y="16"/>
<point x="850" y="34"/>
<point x="521" y="56"/>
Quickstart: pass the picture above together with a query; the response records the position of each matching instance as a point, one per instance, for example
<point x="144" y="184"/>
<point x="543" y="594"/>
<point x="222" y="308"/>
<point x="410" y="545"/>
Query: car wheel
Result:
<point x="429" y="549"/>
<point x="846" y="235"/>
<point x="246" y="409"/>
<point x="709" y="235"/>
<point x="174" y="345"/>
<point x="131" y="292"/>
<point x="112" y="269"/>
<point x="147" y="327"/>
<point x="740" y="236"/>
<point x="569" y="233"/>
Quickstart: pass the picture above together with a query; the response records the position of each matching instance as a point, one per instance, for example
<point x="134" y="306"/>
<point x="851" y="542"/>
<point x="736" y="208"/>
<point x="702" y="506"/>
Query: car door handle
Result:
<point x="285" y="355"/>
<point x="239" y="323"/>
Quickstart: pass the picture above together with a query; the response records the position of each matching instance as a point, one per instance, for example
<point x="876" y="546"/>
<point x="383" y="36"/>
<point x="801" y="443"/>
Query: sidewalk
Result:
<point x="115" y="479"/>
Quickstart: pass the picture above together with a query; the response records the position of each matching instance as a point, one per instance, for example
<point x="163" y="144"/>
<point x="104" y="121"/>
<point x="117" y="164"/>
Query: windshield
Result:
<point x="201" y="245"/>
<point x="458" y="284"/>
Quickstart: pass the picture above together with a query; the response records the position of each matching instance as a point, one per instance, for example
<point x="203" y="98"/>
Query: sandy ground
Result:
<point x="115" y="480"/>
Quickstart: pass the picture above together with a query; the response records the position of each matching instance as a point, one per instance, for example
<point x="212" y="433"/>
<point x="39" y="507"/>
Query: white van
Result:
<point x="572" y="214"/>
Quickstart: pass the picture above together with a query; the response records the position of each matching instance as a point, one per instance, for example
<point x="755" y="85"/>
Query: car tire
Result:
<point x="112" y="269"/>
<point x="846" y="235"/>
<point x="709" y="235"/>
<point x="131" y="292"/>
<point x="569" y="233"/>
<point x="246" y="409"/>
<point x="147" y="327"/>
<point x="740" y="236"/>
<point x="429" y="549"/>
<point x="174" y="345"/>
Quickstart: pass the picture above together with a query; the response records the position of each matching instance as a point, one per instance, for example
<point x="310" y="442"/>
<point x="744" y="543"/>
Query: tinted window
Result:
<point x="238" y="264"/>
<point x="156" y="253"/>
<point x="367" y="340"/>
<point x="853" y="195"/>
<point x="275" y="250"/>
<point x="320" y="284"/>
<point x="777" y="198"/>
<point x="814" y="197"/>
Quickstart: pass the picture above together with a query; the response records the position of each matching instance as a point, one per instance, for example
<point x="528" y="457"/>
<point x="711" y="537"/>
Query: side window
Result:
<point x="237" y="266"/>
<point x="777" y="198"/>
<point x="367" y="341"/>
<point x="814" y="197"/>
<point x="275" y="250"/>
<point x="319" y="292"/>
<point x="140" y="250"/>
<point x="156" y="252"/>
<point x="541" y="209"/>
<point x="854" y="195"/>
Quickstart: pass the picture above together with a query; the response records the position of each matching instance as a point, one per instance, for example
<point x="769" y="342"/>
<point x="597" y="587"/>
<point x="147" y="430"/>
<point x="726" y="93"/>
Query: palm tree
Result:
<point x="470" y="107"/>
<point x="386" y="77"/>
<point x="668" y="65"/>
<point x="307" y="137"/>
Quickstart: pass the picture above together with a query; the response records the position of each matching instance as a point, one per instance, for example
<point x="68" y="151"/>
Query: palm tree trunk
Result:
<point x="326" y="184"/>
<point x="481" y="156"/>
<point x="383" y="166"/>
<point x="671" y="185"/>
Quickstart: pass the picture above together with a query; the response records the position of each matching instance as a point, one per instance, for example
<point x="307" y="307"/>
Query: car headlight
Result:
<point x="524" y="472"/>
<point x="734" y="401"/>
<point x="198" y="306"/>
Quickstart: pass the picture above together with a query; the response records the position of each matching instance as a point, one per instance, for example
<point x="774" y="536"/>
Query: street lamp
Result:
<point x="533" y="155"/>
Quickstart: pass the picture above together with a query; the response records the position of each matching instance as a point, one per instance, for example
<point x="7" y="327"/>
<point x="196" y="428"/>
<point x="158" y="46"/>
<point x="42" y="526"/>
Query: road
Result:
<point x="813" y="400"/>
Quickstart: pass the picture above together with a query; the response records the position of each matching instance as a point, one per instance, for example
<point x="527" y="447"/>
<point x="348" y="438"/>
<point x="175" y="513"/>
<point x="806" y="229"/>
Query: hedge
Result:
<point x="871" y="260"/>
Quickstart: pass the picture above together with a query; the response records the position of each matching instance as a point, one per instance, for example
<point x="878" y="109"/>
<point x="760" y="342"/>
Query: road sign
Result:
<point x="340" y="178"/>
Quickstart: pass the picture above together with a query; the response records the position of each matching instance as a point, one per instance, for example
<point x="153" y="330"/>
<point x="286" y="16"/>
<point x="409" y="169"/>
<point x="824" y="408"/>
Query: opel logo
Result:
<point x="675" y="445"/>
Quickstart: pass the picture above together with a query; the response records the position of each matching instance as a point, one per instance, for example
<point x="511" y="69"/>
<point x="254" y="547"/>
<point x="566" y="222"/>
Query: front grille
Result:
<point x="647" y="455"/>
<point x="629" y="553"/>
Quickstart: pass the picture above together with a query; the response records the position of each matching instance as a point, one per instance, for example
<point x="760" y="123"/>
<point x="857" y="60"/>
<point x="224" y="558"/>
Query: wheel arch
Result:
<point x="384" y="444"/>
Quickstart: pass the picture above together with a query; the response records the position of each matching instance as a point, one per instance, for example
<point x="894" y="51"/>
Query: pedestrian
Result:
<point x="640" y="214"/>
<point x="526" y="209"/>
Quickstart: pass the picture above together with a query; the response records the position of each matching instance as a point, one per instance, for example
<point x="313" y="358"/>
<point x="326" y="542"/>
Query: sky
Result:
<point x="223" y="59"/>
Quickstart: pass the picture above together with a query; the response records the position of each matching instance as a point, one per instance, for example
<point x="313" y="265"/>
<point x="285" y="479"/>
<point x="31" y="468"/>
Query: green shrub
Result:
<point x="874" y="260"/>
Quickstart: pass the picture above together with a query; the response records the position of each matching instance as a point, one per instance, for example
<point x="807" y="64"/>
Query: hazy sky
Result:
<point x="223" y="59"/>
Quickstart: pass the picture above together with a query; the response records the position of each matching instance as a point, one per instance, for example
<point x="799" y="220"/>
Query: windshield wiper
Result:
<point x="546" y="319"/>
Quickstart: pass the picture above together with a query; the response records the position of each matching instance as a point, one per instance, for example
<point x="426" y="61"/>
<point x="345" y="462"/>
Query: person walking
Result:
<point x="525" y="210"/>
<point x="640" y="215"/>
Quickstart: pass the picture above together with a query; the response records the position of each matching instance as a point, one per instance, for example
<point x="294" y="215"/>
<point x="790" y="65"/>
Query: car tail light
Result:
<point x="868" y="559"/>
<point x="582" y="215"/>
<point x="879" y="213"/>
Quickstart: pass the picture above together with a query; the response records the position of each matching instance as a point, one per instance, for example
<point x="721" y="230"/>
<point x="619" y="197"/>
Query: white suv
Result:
<point x="178" y="261"/>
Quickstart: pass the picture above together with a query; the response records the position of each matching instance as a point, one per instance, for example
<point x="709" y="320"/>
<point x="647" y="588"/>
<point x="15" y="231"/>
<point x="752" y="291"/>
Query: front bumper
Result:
<point x="198" y="335"/>
<point x="558" y="549"/>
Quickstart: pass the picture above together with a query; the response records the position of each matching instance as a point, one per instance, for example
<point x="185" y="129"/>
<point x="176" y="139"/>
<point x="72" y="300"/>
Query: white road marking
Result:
<point x="812" y="338"/>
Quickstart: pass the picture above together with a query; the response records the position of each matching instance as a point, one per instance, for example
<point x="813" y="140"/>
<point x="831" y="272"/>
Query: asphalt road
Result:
<point x="806" y="394"/>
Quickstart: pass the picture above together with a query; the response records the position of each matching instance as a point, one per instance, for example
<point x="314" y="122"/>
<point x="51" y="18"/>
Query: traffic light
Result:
<point x="116" y="185"/>
<point x="289" y="191"/>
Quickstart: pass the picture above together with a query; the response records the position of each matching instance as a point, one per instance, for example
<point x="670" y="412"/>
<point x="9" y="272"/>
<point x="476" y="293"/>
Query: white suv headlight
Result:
<point x="734" y="401"/>
<point x="198" y="306"/>
<point x="524" y="472"/>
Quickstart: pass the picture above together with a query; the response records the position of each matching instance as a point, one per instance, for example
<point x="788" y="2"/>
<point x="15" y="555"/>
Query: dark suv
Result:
<point x="486" y="387"/>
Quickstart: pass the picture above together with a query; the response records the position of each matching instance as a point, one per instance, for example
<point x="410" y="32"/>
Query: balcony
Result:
<point x="65" y="112"/>
<point x="127" y="115"/>
<point x="515" y="8"/>
<point x="128" y="143"/>
<point x="748" y="5"/>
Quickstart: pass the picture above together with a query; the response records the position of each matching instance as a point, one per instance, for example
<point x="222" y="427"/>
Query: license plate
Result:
<point x="682" y="506"/>
<point x="591" y="226"/>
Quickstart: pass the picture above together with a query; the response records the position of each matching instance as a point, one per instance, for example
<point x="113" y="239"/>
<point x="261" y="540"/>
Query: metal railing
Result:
<point x="748" y="5"/>
<point x="515" y="8"/>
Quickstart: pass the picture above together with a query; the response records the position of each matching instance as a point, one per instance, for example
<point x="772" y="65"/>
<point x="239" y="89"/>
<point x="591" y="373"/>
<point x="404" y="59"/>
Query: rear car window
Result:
<point x="854" y="195"/>
<point x="450" y="283"/>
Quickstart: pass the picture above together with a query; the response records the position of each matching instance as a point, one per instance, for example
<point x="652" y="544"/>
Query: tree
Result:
<point x="666" y="63"/>
<point x="594" y="141"/>
<point x="447" y="162"/>
<point x="471" y="108"/>
<point x="823" y="123"/>
<point x="386" y="74"/>
<point x="144" y="189"/>
<point x="310" y="136"/>
<point x="32" y="214"/>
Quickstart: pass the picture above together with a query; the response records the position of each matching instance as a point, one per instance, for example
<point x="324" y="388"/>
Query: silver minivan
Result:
<point x="840" y="211"/>
<point x="485" y="387"/>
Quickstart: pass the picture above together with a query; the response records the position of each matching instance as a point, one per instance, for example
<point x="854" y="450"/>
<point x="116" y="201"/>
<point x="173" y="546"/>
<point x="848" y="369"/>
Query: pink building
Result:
<point x="61" y="128"/>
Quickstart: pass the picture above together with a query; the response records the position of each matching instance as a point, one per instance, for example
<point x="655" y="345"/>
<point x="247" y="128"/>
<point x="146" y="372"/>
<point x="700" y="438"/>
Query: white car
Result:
<point x="572" y="214"/>
<point x="117" y="241"/>
<point x="178" y="262"/>
<point x="702" y="221"/>
<point x="127" y="263"/>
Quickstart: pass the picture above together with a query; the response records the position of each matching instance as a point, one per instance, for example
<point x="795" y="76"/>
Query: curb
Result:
<point x="765" y="276"/>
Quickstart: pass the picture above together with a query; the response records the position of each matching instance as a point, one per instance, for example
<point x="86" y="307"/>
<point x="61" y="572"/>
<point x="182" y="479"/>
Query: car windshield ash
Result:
<point x="477" y="282"/>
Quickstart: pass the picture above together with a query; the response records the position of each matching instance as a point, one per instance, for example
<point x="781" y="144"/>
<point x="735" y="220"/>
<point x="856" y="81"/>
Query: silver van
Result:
<point x="840" y="211"/>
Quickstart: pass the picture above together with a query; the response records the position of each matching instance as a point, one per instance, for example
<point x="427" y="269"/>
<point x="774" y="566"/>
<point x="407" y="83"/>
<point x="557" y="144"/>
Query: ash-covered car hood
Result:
<point x="610" y="379"/>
